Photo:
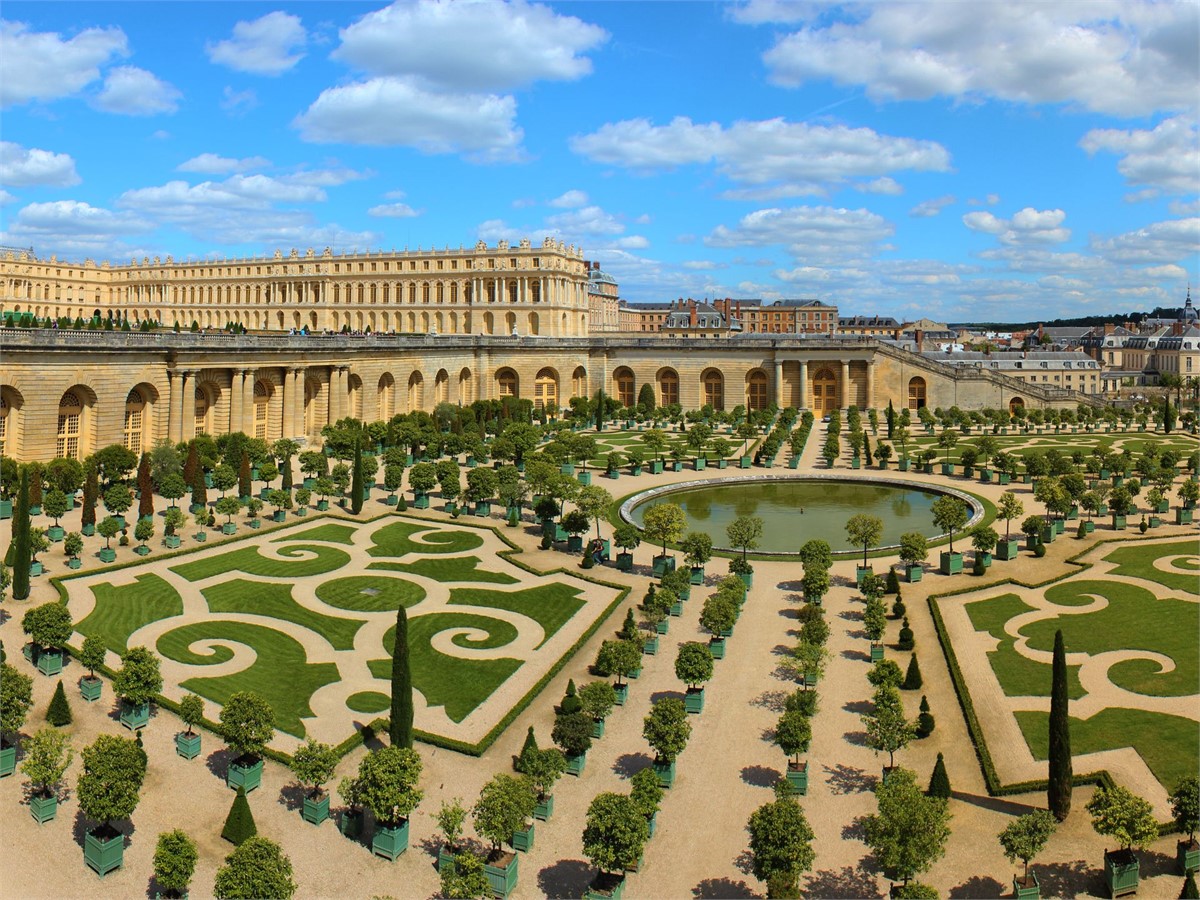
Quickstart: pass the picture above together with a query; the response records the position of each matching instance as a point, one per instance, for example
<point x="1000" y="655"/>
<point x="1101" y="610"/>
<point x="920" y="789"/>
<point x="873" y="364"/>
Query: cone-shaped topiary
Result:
<point x="570" y="702"/>
<point x="912" y="678"/>
<point x="59" y="712"/>
<point x="527" y="750"/>
<point x="239" y="824"/>
<point x="906" y="641"/>
<point x="925" y="721"/>
<point x="893" y="582"/>
<point x="629" y="629"/>
<point x="1190" y="891"/>
<point x="939" y="782"/>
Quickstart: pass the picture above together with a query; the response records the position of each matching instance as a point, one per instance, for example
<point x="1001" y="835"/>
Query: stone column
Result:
<point x="802" y="399"/>
<point x="779" y="383"/>
<point x="174" y="412"/>
<point x="845" y="401"/>
<point x="288" y="427"/>
<point x="248" y="382"/>
<point x="299" y="376"/>
<point x="236" y="396"/>
<point x="871" y="383"/>
<point x="188" y="419"/>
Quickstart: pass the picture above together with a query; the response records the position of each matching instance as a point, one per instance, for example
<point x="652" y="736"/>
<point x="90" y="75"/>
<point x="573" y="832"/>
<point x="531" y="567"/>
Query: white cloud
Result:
<point x="213" y="164"/>
<point x="1166" y="158"/>
<point x="6" y="198"/>
<point x="269" y="45"/>
<point x="42" y="66"/>
<point x="1122" y="59"/>
<point x="569" y="200"/>
<point x="810" y="233"/>
<point x="393" y="211"/>
<point x="395" y="112"/>
<point x="929" y="208"/>
<point x="178" y="199"/>
<point x="1161" y="242"/>
<point x="484" y="45"/>
<point x="21" y="167"/>
<point x="633" y="242"/>
<point x="883" y="185"/>
<point x="332" y="177"/>
<point x="801" y="156"/>
<point x="72" y="228"/>
<point x="703" y="265"/>
<point x="130" y="91"/>
<point x="590" y="220"/>
<point x="1029" y="226"/>
<point x="1183" y="208"/>
<point x="238" y="103"/>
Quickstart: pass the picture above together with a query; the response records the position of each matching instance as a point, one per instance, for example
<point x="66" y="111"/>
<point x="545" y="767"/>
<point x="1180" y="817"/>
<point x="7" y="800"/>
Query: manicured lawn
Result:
<point x="369" y="702"/>
<point x="1018" y="675"/>
<point x="355" y="593"/>
<point x="457" y="684"/>
<point x="120" y="611"/>
<point x="1065" y="442"/>
<point x="454" y="568"/>
<point x="1168" y="744"/>
<point x="333" y="533"/>
<point x="250" y="561"/>
<point x="281" y="672"/>
<point x="1137" y="560"/>
<point x="549" y="605"/>
<point x="397" y="540"/>
<point x="275" y="601"/>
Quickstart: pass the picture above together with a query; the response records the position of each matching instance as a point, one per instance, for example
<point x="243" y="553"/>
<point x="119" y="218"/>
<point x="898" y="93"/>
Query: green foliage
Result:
<point x="694" y="663"/>
<point x="313" y="763"/>
<point x="572" y="732"/>
<point x="247" y="721"/>
<point x="949" y="514"/>
<point x="139" y="678"/>
<point x="667" y="729"/>
<point x="387" y="783"/>
<point x="925" y="720"/>
<point x="1119" y="814"/>
<point x="1026" y="836"/>
<point x="904" y="640"/>
<point x="16" y="696"/>
<point x="914" y="547"/>
<point x="48" y="755"/>
<point x="915" y="890"/>
<point x="239" y="823"/>
<point x="466" y="879"/>
<point x="191" y="711"/>
<point x="793" y="733"/>
<point x="1185" y="806"/>
<point x="885" y="673"/>
<point x="646" y="791"/>
<point x="174" y="861"/>
<point x="113" y="771"/>
<point x="450" y="818"/>
<point x="59" y="713"/>
<point x="912" y="678"/>
<point x="544" y="768"/>
<point x="527" y="749"/>
<point x="619" y="658"/>
<point x="744" y="532"/>
<point x="1060" y="784"/>
<point x="400" y="729"/>
<point x="664" y="523"/>
<point x="781" y="845"/>
<point x="939" y="781"/>
<point x="504" y="804"/>
<point x="570" y="701"/>
<point x="597" y="699"/>
<point x="865" y="531"/>
<point x="48" y="625"/>
<point x="887" y="729"/>
<point x="257" y="868"/>
<point x="909" y="833"/>
<point x="615" y="833"/>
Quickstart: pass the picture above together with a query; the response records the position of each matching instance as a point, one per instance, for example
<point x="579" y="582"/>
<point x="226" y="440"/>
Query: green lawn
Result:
<point x="457" y="684"/>
<point x="550" y="605"/>
<point x="369" y="702"/>
<point x="333" y="533"/>
<point x="445" y="569"/>
<point x="1137" y="561"/>
<point x="1167" y="744"/>
<point x="396" y="540"/>
<point x="1018" y="675"/>
<point x="281" y="672"/>
<point x="120" y="611"/>
<point x="275" y="600"/>
<point x="248" y="560"/>
<point x="353" y="593"/>
<point x="1066" y="443"/>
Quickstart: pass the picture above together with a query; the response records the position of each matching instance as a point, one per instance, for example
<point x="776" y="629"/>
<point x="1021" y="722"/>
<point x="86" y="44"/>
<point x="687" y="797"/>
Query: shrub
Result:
<point x="925" y="721"/>
<point x="912" y="678"/>
<point x="893" y="582"/>
<point x="906" y="641"/>
<point x="898" y="608"/>
<point x="570" y="701"/>
<point x="1040" y="550"/>
<point x="239" y="824"/>
<point x="802" y="701"/>
<point x="59" y="713"/>
<point x="939" y="782"/>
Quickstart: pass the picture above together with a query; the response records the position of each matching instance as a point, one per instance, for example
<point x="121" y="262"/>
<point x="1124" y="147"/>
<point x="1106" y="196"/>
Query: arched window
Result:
<point x="756" y="390"/>
<point x="1015" y="404"/>
<point x="714" y="389"/>
<point x="623" y="386"/>
<point x="464" y="387"/>
<point x="4" y="411"/>
<point x="354" y="405"/>
<point x="262" y="407"/>
<point x="824" y="391"/>
<point x="203" y="409"/>
<point x="135" y="407"/>
<point x="387" y="396"/>
<point x="916" y="393"/>
<point x="545" y="389"/>
<point x="506" y="383"/>
<point x="416" y="392"/>
<point x="70" y="418"/>
<point x="668" y="387"/>
<point x="441" y="387"/>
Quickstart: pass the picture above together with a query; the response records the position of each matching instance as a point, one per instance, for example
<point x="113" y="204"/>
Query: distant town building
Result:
<point x="604" y="301"/>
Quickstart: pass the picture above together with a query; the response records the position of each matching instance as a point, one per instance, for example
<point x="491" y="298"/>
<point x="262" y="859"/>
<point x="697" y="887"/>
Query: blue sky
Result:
<point x="964" y="161"/>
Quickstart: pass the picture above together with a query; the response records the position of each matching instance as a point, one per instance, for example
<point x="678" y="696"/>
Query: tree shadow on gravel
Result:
<point x="856" y="655"/>
<point x="850" y="615"/>
<point x="843" y="779"/>
<point x="565" y="879"/>
<point x="857" y="634"/>
<point x="981" y="886"/>
<point x="782" y="649"/>
<point x="854" y="831"/>
<point x="846" y="882"/>
<point x="662" y="695"/>
<point x="858" y="707"/>
<point x="1070" y="879"/>
<point x="629" y="764"/>
<point x="82" y="825"/>
<point x="1151" y="863"/>
<point x="744" y="862"/>
<point x="760" y="776"/>
<point x="995" y="804"/>
<point x="720" y="888"/>
<point x="770" y="700"/>
<point x="795" y="587"/>
<point x="218" y="762"/>
<point x="292" y="796"/>
<point x="857" y="738"/>
<point x="787" y="612"/>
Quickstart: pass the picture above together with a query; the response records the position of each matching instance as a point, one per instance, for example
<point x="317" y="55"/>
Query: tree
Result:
<point x="694" y="664"/>
<point x="466" y="879"/>
<point x="939" y="781"/>
<point x="572" y="732"/>
<point x="400" y="728"/>
<point x="139" y="679"/>
<point x="619" y="658"/>
<point x="864" y="530"/>
<point x="646" y="792"/>
<point x="257" y="868"/>
<point x="909" y="833"/>
<point x="544" y="768"/>
<point x="697" y="548"/>
<point x="387" y="783"/>
<point x="174" y="862"/>
<point x="887" y="729"/>
<point x="113" y="771"/>
<point x="144" y="529"/>
<point x="667" y="729"/>
<point x="16" y="696"/>
<point x="248" y="723"/>
<point x="885" y="673"/>
<point x="313" y="764"/>
<point x="1185" y="806"/>
<point x="73" y="544"/>
<point x="781" y="845"/>
<point x="912" y="678"/>
<point x="1026" y="837"/>
<point x="22" y="554"/>
<point x="48" y="625"/>
<point x="191" y="711"/>
<point x="983" y="539"/>
<point x="816" y="554"/>
<point x="356" y="480"/>
<point x="59" y="713"/>
<point x="92" y="654"/>
<point x="48" y="755"/>
<point x="1059" y="790"/>
<point x="1190" y="890"/>
<point x="615" y="832"/>
<point x="91" y="490"/>
<point x="664" y="522"/>
<point x="949" y="514"/>
<point x="504" y="804"/>
<point x="1008" y="509"/>
<point x="808" y="662"/>
<point x="875" y="621"/>
<point x="744" y="532"/>
<point x="718" y="614"/>
<point x="56" y="504"/>
<point x="1119" y="814"/>
<point x="793" y="733"/>
<point x="597" y="699"/>
<point x="913" y="548"/>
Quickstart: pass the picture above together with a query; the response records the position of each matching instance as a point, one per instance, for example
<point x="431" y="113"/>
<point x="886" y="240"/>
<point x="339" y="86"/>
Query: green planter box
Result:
<point x="142" y="550"/>
<point x="171" y="542"/>
<point x="1187" y="856"/>
<point x="1118" y="523"/>
<point x="43" y="809"/>
<point x="1005" y="478"/>
<point x="88" y="530"/>
<point x="245" y="772"/>
<point x="716" y="646"/>
<point x="502" y="874"/>
<point x="135" y="716"/>
<point x="951" y="563"/>
<point x="614" y="474"/>
<point x="50" y="662"/>
<point x="1089" y="527"/>
<point x="624" y="562"/>
<point x="104" y="850"/>
<point x="1059" y="526"/>
<point x="523" y="840"/>
<point x="350" y="823"/>
<point x="584" y="478"/>
<point x="861" y="572"/>
<point x="574" y="543"/>
<point x="482" y="509"/>
<point x="622" y="691"/>
<point x="744" y="462"/>
<point x="1007" y="549"/>
<point x="1027" y="889"/>
<point x="445" y="861"/>
<point x="983" y="560"/>
<point x="607" y="886"/>
<point x="1155" y="521"/>
<point x="90" y="688"/>
<point x="1120" y="872"/>
<point x="421" y="501"/>
<point x="597" y="728"/>
<point x="229" y="528"/>
<point x="55" y="533"/>
<point x="107" y="554"/>
<point x="665" y="773"/>
<point x="6" y="509"/>
<point x="8" y="759"/>
<point x="677" y="466"/>
<point x="567" y="469"/>
<point x="947" y="468"/>
<point x="322" y="506"/>
<point x="855" y="462"/>
<point x="390" y="842"/>
<point x="635" y="470"/>
<point x="797" y="777"/>
<point x="201" y="536"/>
<point x="650" y="645"/>
<point x="255" y="524"/>
<point x="575" y="763"/>
<point x="697" y="575"/>
<point x="700" y="464"/>
<point x="904" y="464"/>
<point x="985" y="476"/>
<point x="876" y="652"/>
<point x="74" y="562"/>
<point x="35" y="569"/>
<point x="544" y="808"/>
<point x="656" y="467"/>
<point x="662" y="565"/>
<point x="747" y="579"/>
<point x="1183" y="517"/>
<point x="677" y="608"/>
<point x="316" y="810"/>
<point x="722" y="463"/>
<point x="914" y="573"/>
<point x="693" y="700"/>
<point x="188" y="745"/>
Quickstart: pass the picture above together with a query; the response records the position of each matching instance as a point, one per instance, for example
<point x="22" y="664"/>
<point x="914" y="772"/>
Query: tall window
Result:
<point x="506" y="383"/>
<point x="387" y="399"/>
<point x="756" y="391"/>
<point x="579" y="386"/>
<point x="70" y="415"/>
<point x="916" y="393"/>
<point x="623" y="384"/>
<point x="203" y="407"/>
<point x="135" y="407"/>
<point x="464" y="387"/>
<point x="545" y="389"/>
<point x="262" y="406"/>
<point x="3" y="424"/>
<point x="714" y="390"/>
<point x="354" y="400"/>
<point x="416" y="392"/>
<point x="668" y="384"/>
<point x="824" y="391"/>
<point x="311" y="390"/>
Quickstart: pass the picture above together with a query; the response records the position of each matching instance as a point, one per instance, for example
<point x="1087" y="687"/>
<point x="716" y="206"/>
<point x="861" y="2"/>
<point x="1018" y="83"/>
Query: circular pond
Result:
<point x="796" y="509"/>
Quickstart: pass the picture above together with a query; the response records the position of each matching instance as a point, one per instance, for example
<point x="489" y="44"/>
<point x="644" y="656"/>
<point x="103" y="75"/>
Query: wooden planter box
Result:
<point x="8" y="759"/>
<point x="716" y="646"/>
<point x="622" y="691"/>
<point x="523" y="840"/>
<point x="188" y="745"/>
<point x="665" y="773"/>
<point x="1007" y="549"/>
<point x="1120" y="872"/>
<point x="597" y="728"/>
<point x="700" y="464"/>
<point x="104" y="850"/>
<point x="693" y="700"/>
<point x="914" y="573"/>
<point x="677" y="608"/>
<point x="951" y="563"/>
<point x="876" y="652"/>
<point x="245" y="772"/>
<point x="607" y="886"/>
<point x="135" y="716"/>
<point x="316" y="810"/>
<point x="421" y="501"/>
<point x="662" y="565"/>
<point x="1118" y="523"/>
<point x="797" y="777"/>
<point x="229" y="528"/>
<point x="74" y="562"/>
<point x="107" y="554"/>
<point x="1183" y="517"/>
<point x="697" y="575"/>
<point x="544" y="808"/>
<point x="947" y="468"/>
<point x="6" y="509"/>
<point x="142" y="550"/>
<point x="575" y="763"/>
<point x="861" y="572"/>
<point x="390" y="841"/>
<point x="502" y="874"/>
<point x="747" y="579"/>
<point x="1187" y="856"/>
<point x="55" y="533"/>
<point x="656" y="467"/>
<point x="744" y="462"/>
<point x="42" y="808"/>
<point x="350" y="823"/>
<point x="90" y="688"/>
<point x="50" y="661"/>
<point x="624" y="562"/>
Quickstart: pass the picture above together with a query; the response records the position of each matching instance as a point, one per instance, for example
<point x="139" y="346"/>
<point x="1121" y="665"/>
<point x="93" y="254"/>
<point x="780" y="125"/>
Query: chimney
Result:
<point x="920" y="338"/>
<point x="692" y="317"/>
<point x="1109" y="327"/>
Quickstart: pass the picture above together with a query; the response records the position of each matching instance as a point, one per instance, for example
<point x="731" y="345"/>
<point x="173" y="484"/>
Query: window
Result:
<point x="714" y="389"/>
<point x="506" y="383"/>
<point x="70" y="414"/>
<point x="756" y="391"/>
<point x="134" y="409"/>
<point x="668" y="388"/>
<point x="262" y="404"/>
<point x="623" y="383"/>
<point x="545" y="389"/>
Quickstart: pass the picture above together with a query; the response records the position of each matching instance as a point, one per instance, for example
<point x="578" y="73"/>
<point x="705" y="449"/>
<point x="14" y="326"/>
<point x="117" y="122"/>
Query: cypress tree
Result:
<point x="22" y="553"/>
<point x="199" y="491"/>
<point x="145" y="489"/>
<point x="244" y="483"/>
<point x="239" y="824"/>
<point x="912" y="678"/>
<point x="35" y="486"/>
<point x="939" y="782"/>
<point x="285" y="467"/>
<point x="527" y="749"/>
<point x="356" y="481"/>
<point x="91" y="490"/>
<point x="191" y="465"/>
<point x="866" y="449"/>
<point x="891" y="419"/>
<point x="401" y="728"/>
<point x="1059" y="792"/>
<point x="59" y="713"/>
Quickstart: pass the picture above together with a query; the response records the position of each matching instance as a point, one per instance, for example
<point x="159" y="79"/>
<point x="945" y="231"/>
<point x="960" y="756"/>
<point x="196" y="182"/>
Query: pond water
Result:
<point x="794" y="511"/>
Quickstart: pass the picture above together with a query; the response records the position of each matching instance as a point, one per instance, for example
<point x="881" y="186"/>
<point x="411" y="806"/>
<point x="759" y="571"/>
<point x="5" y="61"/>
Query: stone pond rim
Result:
<point x="644" y="498"/>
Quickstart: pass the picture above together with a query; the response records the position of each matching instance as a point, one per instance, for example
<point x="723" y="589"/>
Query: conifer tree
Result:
<point x="912" y="678"/>
<point x="91" y="490"/>
<point x="529" y="748"/>
<point x="59" y="713"/>
<point x="22" y="555"/>
<point x="925" y="721"/>
<point x="191" y="464"/>
<point x="356" y="482"/>
<point x="244" y="480"/>
<point x="199" y="491"/>
<point x="239" y="824"/>
<point x="939" y="782"/>
<point x="145" y="488"/>
<point x="401" y="728"/>
<point x="1190" y="891"/>
<point x="1059" y="792"/>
